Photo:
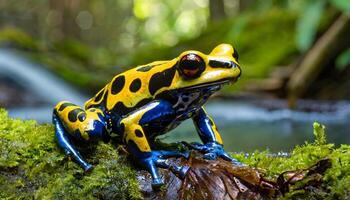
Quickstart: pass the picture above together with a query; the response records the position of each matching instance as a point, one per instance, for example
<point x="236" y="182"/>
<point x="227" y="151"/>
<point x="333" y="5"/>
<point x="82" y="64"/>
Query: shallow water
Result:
<point x="246" y="127"/>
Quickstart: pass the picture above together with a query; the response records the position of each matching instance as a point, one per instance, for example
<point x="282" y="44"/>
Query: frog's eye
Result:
<point x="191" y="66"/>
<point x="235" y="55"/>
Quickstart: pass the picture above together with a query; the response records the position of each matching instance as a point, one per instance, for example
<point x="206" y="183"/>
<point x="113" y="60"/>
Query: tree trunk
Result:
<point x="245" y="4"/>
<point x="217" y="10"/>
<point x="335" y="40"/>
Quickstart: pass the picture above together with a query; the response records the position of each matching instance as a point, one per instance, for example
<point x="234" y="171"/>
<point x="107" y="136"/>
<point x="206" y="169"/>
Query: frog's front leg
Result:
<point x="73" y="123"/>
<point x="135" y="138"/>
<point x="213" y="146"/>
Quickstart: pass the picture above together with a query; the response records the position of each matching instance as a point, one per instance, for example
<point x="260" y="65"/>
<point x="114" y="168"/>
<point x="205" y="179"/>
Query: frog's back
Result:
<point x="129" y="90"/>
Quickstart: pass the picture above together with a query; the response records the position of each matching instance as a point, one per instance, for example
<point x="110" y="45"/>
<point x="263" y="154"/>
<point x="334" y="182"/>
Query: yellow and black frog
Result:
<point x="150" y="100"/>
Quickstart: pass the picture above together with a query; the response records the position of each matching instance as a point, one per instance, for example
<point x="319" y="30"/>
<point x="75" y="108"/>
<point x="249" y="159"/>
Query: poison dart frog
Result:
<point x="150" y="100"/>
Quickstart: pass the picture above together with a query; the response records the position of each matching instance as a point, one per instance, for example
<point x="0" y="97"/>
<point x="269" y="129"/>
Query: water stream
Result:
<point x="42" y="84"/>
<point x="247" y="127"/>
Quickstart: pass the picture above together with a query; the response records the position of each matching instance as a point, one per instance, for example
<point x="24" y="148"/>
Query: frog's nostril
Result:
<point x="233" y="65"/>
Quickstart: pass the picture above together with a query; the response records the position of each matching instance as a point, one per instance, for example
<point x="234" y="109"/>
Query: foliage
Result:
<point x="308" y="23"/>
<point x="343" y="60"/>
<point x="91" y="67"/>
<point x="165" y="23"/>
<point x="126" y="34"/>
<point x="17" y="37"/>
<point x="32" y="166"/>
<point x="342" y="5"/>
<point x="310" y="19"/>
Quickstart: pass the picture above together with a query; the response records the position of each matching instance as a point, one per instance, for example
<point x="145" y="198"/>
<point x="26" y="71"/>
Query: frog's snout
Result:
<point x="240" y="71"/>
<point x="236" y="69"/>
<point x="236" y="66"/>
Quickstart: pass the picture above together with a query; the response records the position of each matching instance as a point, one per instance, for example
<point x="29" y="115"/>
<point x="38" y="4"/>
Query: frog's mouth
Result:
<point x="212" y="84"/>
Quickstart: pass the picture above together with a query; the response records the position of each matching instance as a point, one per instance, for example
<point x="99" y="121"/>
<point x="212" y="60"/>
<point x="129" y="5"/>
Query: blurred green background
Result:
<point x="88" y="42"/>
<point x="289" y="50"/>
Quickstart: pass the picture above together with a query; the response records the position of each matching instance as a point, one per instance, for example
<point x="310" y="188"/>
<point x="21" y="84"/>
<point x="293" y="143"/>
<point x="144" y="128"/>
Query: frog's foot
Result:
<point x="88" y="168"/>
<point x="158" y="159"/>
<point x="179" y="171"/>
<point x="213" y="150"/>
<point x="162" y="162"/>
<point x="85" y="165"/>
<point x="169" y="154"/>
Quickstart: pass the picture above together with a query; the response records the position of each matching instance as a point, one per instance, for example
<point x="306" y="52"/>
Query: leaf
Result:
<point x="319" y="132"/>
<point x="343" y="60"/>
<point x="343" y="5"/>
<point x="307" y="24"/>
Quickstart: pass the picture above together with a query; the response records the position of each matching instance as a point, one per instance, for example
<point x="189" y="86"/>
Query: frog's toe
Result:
<point x="186" y="154"/>
<point x="179" y="171"/>
<point x="234" y="161"/>
<point x="183" y="171"/>
<point x="210" y="156"/>
<point x="157" y="183"/>
<point x="88" y="168"/>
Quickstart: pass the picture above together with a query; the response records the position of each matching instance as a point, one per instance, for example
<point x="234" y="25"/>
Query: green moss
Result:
<point x="32" y="166"/>
<point x="336" y="183"/>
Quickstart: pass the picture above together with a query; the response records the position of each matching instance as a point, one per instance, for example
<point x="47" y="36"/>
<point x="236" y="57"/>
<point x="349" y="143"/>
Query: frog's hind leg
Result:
<point x="72" y="122"/>
<point x="134" y="137"/>
<point x="149" y="159"/>
<point x="138" y="146"/>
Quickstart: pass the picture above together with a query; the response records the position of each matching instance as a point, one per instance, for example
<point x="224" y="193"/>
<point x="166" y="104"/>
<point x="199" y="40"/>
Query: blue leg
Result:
<point x="136" y="137"/>
<point x="213" y="146"/>
<point x="169" y="154"/>
<point x="163" y="163"/>
<point x="150" y="165"/>
<point x="147" y="159"/>
<point x="64" y="142"/>
<point x="153" y="159"/>
<point x="180" y="171"/>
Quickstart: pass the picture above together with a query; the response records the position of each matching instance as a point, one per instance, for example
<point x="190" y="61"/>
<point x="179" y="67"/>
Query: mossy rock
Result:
<point x="32" y="166"/>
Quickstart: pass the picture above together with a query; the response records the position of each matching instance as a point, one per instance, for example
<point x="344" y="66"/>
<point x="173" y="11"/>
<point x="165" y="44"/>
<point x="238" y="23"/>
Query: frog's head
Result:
<point x="198" y="70"/>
